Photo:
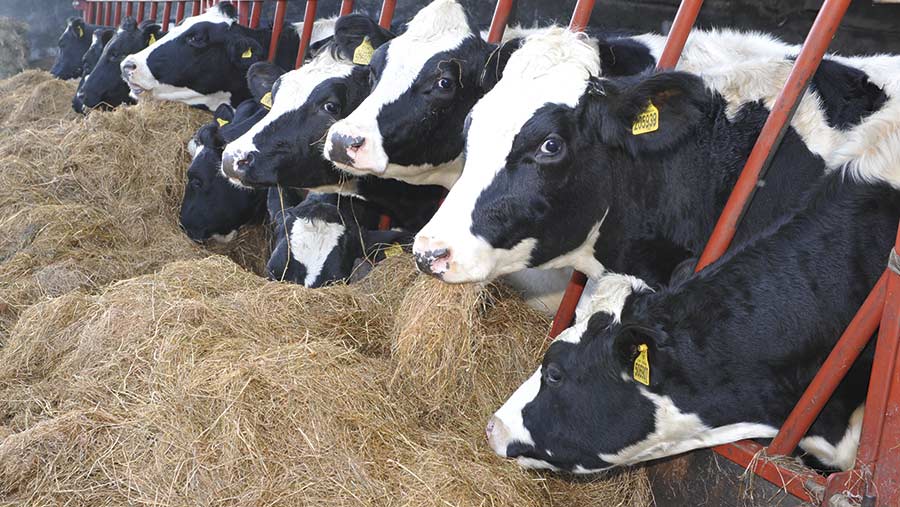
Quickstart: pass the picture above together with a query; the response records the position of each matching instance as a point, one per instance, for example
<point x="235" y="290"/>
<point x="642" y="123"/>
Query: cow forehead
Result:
<point x="213" y="15"/>
<point x="440" y="27"/>
<point x="296" y="86"/>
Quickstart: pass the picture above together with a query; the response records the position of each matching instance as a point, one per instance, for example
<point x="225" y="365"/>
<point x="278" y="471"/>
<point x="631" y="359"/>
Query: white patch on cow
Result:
<point x="542" y="289"/>
<point x="194" y="148"/>
<point x="311" y="243"/>
<point x="225" y="238"/>
<point x="608" y="294"/>
<point x="322" y="29"/>
<point x="676" y="432"/>
<point x="294" y="89"/>
<point x="438" y="27"/>
<point x="535" y="464"/>
<point x="574" y="333"/>
<point x="552" y="67"/>
<point x="509" y="426"/>
<point x="348" y="187"/>
<point x="842" y="455"/>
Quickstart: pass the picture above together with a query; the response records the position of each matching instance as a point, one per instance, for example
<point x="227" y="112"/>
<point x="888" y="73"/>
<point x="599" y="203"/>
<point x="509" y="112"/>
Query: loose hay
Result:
<point x="203" y="384"/>
<point x="13" y="46"/>
<point x="35" y="96"/>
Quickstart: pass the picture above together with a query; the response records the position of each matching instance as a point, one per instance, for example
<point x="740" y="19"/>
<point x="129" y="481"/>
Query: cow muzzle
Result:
<point x="355" y="150"/>
<point x="432" y="257"/>
<point x="235" y="166"/>
<point x="498" y="436"/>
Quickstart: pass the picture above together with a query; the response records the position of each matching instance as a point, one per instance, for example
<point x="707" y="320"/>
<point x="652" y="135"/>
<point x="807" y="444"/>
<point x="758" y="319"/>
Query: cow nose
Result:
<point x="128" y="66"/>
<point x="429" y="261"/>
<point x="344" y="147"/>
<point x="230" y="167"/>
<point x="244" y="163"/>
<point x="497" y="436"/>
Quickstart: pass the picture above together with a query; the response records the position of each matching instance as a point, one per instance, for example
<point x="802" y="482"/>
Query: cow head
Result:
<point x="549" y="149"/>
<point x="101" y="37"/>
<point x="285" y="147"/>
<point x="202" y="61"/>
<point x="425" y="82"/>
<point x="104" y="85"/>
<point x="320" y="240"/>
<point x="213" y="208"/>
<point x="73" y="42"/>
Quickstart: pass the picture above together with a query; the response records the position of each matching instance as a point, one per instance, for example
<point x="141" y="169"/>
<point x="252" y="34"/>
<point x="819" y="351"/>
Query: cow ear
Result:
<point x="224" y="114"/>
<point x="227" y="9"/>
<point x="207" y="134"/>
<point x="105" y="35"/>
<point x="260" y="79"/>
<point x="655" y="113"/>
<point x="356" y="36"/>
<point x="642" y="352"/>
<point x="77" y="25"/>
<point x="129" y="24"/>
<point x="496" y="62"/>
<point x="244" y="52"/>
<point x="150" y="31"/>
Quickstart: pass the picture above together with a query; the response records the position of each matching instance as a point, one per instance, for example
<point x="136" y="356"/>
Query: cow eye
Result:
<point x="196" y="183"/>
<point x="551" y="146"/>
<point x="197" y="40"/>
<point x="331" y="108"/>
<point x="553" y="375"/>
<point x="444" y="83"/>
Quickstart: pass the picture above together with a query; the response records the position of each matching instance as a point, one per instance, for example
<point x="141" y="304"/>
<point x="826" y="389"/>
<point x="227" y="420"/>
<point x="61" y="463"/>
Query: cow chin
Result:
<point x="471" y="261"/>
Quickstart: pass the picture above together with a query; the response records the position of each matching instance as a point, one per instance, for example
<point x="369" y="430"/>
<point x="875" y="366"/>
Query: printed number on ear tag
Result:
<point x="642" y="366"/>
<point x="266" y="100"/>
<point x="152" y="40"/>
<point x="222" y="122"/>
<point x="248" y="53"/>
<point x="362" y="55"/>
<point x="647" y="121"/>
<point x="393" y="250"/>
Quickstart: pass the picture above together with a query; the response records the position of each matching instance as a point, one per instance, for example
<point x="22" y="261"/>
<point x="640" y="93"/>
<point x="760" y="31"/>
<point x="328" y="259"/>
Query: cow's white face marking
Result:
<point x="552" y="67"/>
<point x="225" y="238"/>
<point x="607" y="294"/>
<point x="440" y="26"/>
<point x="510" y="426"/>
<point x="294" y="89"/>
<point x="312" y="241"/>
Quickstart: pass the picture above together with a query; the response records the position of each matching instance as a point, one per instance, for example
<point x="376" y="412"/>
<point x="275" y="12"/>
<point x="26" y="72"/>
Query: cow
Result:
<point x="203" y="61"/>
<point x="321" y="240"/>
<point x="104" y="87"/>
<point x="73" y="43"/>
<point x="212" y="207"/>
<point x="100" y="38"/>
<point x="565" y="168"/>
<point x="721" y="356"/>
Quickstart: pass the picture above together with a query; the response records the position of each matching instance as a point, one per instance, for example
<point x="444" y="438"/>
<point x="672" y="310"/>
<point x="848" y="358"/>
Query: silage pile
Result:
<point x="13" y="46"/>
<point x="137" y="370"/>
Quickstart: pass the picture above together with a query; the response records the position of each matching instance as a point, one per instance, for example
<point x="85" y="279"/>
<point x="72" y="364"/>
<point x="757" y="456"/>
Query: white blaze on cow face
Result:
<point x="312" y="241"/>
<point x="142" y="81"/>
<point x="440" y="26"/>
<point x="552" y="67"/>
<point x="293" y="90"/>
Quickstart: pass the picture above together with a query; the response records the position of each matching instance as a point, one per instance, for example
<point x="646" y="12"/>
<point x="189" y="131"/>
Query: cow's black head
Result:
<point x="320" y="240"/>
<point x="425" y="82"/>
<point x="549" y="149"/>
<point x="104" y="86"/>
<point x="286" y="146"/>
<point x="212" y="206"/>
<point x="101" y="37"/>
<point x="202" y="61"/>
<point x="73" y="42"/>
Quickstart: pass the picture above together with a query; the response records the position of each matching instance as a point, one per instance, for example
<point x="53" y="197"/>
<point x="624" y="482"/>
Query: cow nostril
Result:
<point x="440" y="253"/>
<point x="489" y="428"/>
<point x="128" y="66"/>
<point x="246" y="161"/>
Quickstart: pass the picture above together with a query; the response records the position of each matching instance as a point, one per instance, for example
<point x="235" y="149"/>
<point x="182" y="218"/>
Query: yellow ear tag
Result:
<point x="152" y="40"/>
<point x="362" y="55"/>
<point x="393" y="250"/>
<point x="647" y="121"/>
<point x="247" y="54"/>
<point x="80" y="32"/>
<point x="642" y="366"/>
<point x="266" y="100"/>
<point x="222" y="122"/>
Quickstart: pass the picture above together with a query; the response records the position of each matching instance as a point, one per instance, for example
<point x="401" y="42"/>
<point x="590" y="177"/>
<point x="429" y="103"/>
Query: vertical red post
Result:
<point x="678" y="35"/>
<point x="581" y="15"/>
<point x="346" y="7"/>
<point x="387" y="13"/>
<point x="118" y="13"/>
<point x="179" y="11"/>
<point x="244" y="12"/>
<point x="140" y="11"/>
<point x="280" y="10"/>
<point x="811" y="54"/>
<point x="195" y="8"/>
<point x="154" y="11"/>
<point x="309" y="19"/>
<point x="107" y="13"/>
<point x="89" y="13"/>
<point x="129" y="9"/>
<point x="256" y="13"/>
<point x="498" y="22"/>
<point x="167" y="14"/>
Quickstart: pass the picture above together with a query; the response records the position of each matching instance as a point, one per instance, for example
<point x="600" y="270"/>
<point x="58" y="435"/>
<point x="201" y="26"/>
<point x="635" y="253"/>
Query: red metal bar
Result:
<point x="811" y="54"/>
<point x="745" y="454"/>
<point x="255" y="14"/>
<point x="167" y="14"/>
<point x="118" y="13"/>
<point x="280" y="9"/>
<point x="129" y="9"/>
<point x="498" y="22"/>
<point x="309" y="19"/>
<point x="581" y="15"/>
<point x="107" y="12"/>
<point x="387" y="13"/>
<point x="565" y="314"/>
<point x="154" y="10"/>
<point x="89" y="13"/>
<point x="195" y="8"/>
<point x="179" y="11"/>
<point x="384" y="223"/>
<point x="140" y="12"/>
<point x="346" y="7"/>
<point x="244" y="12"/>
<point x="832" y="371"/>
<point x="678" y="35"/>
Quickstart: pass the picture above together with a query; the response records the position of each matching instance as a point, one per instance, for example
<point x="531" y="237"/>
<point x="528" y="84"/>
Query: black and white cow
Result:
<point x="728" y="351"/>
<point x="104" y="85"/>
<point x="322" y="240"/>
<point x="213" y="208"/>
<point x="557" y="174"/>
<point x="203" y="61"/>
<point x="73" y="43"/>
<point x="101" y="37"/>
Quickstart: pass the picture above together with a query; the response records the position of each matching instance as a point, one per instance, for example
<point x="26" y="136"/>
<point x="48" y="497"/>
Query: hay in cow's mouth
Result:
<point x="136" y="369"/>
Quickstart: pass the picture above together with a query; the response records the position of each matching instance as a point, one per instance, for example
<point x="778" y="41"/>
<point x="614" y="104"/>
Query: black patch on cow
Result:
<point x="73" y="43"/>
<point x="101" y="38"/>
<point x="624" y="57"/>
<point x="847" y="94"/>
